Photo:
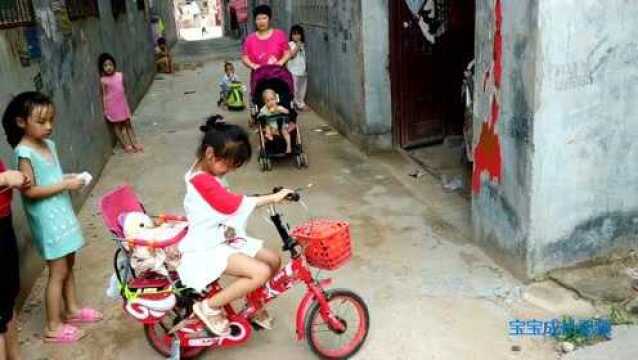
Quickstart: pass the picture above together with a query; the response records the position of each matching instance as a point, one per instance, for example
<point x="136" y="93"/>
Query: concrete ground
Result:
<point x="432" y="294"/>
<point x="621" y="347"/>
<point x="447" y="162"/>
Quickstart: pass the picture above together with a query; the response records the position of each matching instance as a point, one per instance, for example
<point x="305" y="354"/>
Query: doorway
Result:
<point x="427" y="73"/>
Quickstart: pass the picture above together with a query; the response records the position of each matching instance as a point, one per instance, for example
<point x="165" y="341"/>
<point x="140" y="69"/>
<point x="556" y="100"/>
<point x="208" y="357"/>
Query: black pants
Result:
<point x="10" y="272"/>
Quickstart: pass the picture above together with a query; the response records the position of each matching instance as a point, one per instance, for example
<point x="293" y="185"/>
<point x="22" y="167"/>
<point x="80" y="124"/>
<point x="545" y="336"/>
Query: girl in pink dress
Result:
<point x="116" y="109"/>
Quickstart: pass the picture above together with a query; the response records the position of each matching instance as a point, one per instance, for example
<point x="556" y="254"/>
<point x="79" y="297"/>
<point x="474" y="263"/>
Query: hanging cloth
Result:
<point x="431" y="16"/>
<point x="415" y="5"/>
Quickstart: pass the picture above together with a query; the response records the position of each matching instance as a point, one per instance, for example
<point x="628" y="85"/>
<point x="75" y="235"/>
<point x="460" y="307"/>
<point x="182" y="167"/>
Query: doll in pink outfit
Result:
<point x="116" y="109"/>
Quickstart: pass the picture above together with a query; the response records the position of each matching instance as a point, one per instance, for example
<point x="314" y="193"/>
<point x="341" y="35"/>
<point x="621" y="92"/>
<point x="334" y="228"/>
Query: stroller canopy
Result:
<point x="270" y="73"/>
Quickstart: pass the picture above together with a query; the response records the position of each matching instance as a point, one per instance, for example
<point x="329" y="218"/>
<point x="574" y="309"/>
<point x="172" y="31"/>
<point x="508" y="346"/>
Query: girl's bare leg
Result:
<point x="131" y="134"/>
<point x="121" y="137"/>
<point x="270" y="258"/>
<point x="58" y="273"/>
<point x="3" y="347"/>
<point x="268" y="131"/>
<point x="273" y="260"/>
<point x="69" y="292"/>
<point x="286" y="136"/>
<point x="252" y="274"/>
<point x="166" y="66"/>
<point x="11" y="341"/>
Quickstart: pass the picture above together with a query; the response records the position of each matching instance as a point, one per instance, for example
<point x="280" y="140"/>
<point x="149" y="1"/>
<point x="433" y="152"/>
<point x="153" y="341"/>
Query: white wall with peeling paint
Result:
<point x="567" y="130"/>
<point x="585" y="169"/>
<point x="501" y="207"/>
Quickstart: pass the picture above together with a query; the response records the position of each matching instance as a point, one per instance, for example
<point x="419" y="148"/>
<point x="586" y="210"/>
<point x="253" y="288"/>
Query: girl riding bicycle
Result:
<point x="216" y="242"/>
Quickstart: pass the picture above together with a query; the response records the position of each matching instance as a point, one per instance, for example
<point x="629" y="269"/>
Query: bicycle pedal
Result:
<point x="180" y="325"/>
<point x="256" y="326"/>
<point x="188" y="325"/>
<point x="259" y="327"/>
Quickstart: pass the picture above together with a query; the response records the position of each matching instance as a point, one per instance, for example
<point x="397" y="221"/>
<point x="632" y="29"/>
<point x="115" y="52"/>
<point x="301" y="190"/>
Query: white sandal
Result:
<point x="263" y="319"/>
<point x="214" y="318"/>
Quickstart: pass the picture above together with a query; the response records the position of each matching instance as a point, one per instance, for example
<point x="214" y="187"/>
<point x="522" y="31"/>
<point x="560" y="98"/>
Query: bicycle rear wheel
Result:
<point x="352" y="311"/>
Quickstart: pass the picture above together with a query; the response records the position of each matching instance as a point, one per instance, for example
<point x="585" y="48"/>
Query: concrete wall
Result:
<point x="69" y="75"/>
<point x="282" y="11"/>
<point x="558" y="179"/>
<point x="165" y="9"/>
<point x="585" y="177"/>
<point x="376" y="57"/>
<point x="503" y="150"/>
<point x="348" y="54"/>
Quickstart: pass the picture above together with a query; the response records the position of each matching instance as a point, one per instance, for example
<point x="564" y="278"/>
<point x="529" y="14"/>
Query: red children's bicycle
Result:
<point x="335" y="322"/>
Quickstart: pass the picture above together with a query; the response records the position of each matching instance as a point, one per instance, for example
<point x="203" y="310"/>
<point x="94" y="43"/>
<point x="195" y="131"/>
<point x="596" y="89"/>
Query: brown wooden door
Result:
<point x="416" y="105"/>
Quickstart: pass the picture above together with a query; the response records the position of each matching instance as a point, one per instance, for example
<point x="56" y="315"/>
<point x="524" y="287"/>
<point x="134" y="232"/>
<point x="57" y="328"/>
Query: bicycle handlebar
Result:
<point x="289" y="243"/>
<point x="290" y="197"/>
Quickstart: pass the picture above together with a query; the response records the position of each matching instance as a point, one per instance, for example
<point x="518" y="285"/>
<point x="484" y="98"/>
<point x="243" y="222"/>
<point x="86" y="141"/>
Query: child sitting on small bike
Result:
<point x="226" y="80"/>
<point x="217" y="242"/>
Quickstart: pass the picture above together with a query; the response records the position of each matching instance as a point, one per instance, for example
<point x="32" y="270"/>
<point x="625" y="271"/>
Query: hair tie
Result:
<point x="216" y="122"/>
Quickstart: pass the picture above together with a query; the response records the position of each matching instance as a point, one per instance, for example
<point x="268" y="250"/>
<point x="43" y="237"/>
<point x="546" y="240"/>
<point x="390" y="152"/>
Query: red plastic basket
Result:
<point x="327" y="243"/>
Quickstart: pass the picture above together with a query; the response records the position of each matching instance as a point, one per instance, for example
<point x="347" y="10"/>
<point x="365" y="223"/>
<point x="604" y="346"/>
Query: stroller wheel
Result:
<point x="298" y="161"/>
<point x="262" y="164"/>
<point x="304" y="160"/>
<point x="268" y="163"/>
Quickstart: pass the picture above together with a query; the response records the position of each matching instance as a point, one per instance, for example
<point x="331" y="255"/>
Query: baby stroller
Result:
<point x="280" y="80"/>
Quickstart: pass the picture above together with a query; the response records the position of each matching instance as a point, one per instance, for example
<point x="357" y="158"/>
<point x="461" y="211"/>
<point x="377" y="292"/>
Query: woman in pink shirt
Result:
<point x="266" y="46"/>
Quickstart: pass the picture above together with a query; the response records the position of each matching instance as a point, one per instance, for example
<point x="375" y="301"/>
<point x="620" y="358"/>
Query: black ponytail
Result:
<point x="229" y="142"/>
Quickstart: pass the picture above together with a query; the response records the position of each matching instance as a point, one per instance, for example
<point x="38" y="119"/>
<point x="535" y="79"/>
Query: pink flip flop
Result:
<point x="85" y="316"/>
<point x="66" y="334"/>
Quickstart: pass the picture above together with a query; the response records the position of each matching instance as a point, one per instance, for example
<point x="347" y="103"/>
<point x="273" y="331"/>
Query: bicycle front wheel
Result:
<point x="352" y="311"/>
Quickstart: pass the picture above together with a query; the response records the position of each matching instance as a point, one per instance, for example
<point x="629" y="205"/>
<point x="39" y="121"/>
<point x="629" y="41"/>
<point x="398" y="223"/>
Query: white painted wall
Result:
<point x="585" y="164"/>
<point x="376" y="58"/>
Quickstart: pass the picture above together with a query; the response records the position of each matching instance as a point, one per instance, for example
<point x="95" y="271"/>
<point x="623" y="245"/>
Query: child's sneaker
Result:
<point x="263" y="319"/>
<point x="213" y="318"/>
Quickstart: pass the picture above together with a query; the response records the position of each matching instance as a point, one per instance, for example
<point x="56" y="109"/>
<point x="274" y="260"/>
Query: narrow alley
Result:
<point x="432" y="294"/>
<point x="482" y="152"/>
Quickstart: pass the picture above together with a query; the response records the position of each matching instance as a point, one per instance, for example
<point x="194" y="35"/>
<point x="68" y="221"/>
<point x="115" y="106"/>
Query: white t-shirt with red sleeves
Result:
<point x="211" y="209"/>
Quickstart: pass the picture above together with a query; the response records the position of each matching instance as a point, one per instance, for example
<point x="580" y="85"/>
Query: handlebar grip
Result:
<point x="290" y="197"/>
